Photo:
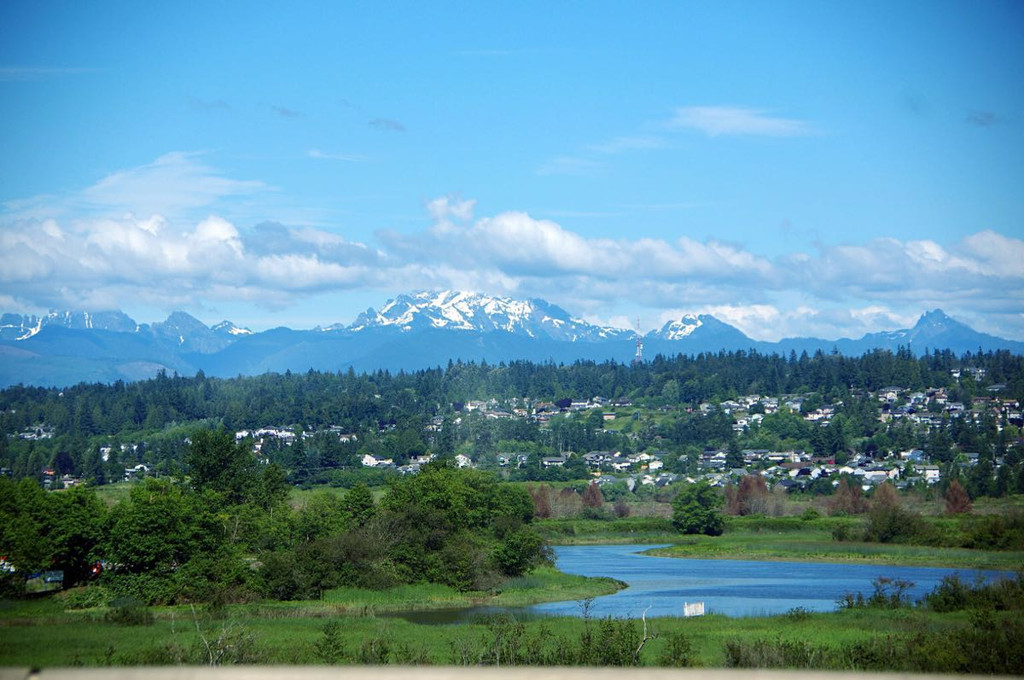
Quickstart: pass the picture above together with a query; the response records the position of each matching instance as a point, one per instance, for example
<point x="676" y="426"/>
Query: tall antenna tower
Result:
<point x="639" y="357"/>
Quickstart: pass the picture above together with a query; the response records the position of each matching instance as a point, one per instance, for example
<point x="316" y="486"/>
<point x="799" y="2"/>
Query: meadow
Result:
<point x="90" y="626"/>
<point x="44" y="634"/>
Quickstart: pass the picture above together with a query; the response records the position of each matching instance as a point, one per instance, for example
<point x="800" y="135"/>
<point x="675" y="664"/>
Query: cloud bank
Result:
<point x="131" y="238"/>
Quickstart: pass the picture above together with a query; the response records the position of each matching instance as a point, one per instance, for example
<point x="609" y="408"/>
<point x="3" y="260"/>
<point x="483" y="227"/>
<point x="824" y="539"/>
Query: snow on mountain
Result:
<point x="228" y="328"/>
<point x="465" y="311"/>
<point x="677" y="330"/>
<point x="24" y="326"/>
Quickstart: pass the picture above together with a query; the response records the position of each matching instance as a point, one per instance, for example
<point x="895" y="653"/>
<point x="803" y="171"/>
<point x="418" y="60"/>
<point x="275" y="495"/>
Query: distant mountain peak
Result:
<point x="24" y="326"/>
<point x="65" y="347"/>
<point x="469" y="311"/>
<point x="691" y="326"/>
<point x="228" y="328"/>
<point x="936" y="318"/>
<point x="678" y="329"/>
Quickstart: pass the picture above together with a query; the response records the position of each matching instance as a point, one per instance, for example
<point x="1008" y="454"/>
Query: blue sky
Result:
<point x="795" y="168"/>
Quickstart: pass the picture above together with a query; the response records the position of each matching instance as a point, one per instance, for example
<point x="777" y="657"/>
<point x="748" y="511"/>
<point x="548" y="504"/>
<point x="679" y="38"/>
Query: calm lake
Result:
<point x="730" y="587"/>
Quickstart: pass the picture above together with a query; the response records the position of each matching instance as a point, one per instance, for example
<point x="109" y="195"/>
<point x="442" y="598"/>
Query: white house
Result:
<point x="931" y="473"/>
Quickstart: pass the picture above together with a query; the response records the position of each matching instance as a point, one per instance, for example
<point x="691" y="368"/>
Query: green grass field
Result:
<point x="272" y="635"/>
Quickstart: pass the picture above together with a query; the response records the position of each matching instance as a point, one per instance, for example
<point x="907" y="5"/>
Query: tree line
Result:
<point x="225" y="533"/>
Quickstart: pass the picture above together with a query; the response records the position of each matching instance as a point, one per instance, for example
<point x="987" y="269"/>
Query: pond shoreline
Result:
<point x="852" y="553"/>
<point x="734" y="588"/>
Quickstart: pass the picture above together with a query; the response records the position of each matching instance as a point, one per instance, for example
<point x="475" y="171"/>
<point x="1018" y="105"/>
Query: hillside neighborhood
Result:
<point x="647" y="456"/>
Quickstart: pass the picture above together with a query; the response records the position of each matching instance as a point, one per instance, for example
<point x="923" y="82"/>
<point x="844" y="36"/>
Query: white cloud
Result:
<point x="996" y="255"/>
<point x="197" y="257"/>
<point x="716" y="121"/>
<point x="444" y="207"/>
<point x="174" y="182"/>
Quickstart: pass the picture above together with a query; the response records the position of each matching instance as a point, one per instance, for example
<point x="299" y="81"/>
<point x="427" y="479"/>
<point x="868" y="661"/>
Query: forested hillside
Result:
<point x="319" y="426"/>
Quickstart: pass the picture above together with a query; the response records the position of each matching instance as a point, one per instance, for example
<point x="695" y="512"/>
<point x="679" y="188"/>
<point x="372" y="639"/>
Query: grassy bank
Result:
<point x="808" y="548"/>
<point x="576" y="531"/>
<point x="545" y="584"/>
<point x="183" y="638"/>
<point x="42" y="632"/>
<point x="773" y="538"/>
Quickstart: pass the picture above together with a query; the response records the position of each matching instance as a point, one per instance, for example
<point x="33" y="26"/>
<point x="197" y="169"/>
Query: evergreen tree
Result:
<point x="359" y="505"/>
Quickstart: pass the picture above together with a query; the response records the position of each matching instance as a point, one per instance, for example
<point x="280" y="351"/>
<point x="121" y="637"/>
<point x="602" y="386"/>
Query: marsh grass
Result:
<point x="577" y="531"/>
<point x="298" y="637"/>
<point x="797" y="539"/>
<point x="821" y="548"/>
<point x="544" y="584"/>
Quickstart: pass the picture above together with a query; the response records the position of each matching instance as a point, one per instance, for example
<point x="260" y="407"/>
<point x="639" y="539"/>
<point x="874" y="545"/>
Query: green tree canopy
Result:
<point x="216" y="463"/>
<point x="695" y="510"/>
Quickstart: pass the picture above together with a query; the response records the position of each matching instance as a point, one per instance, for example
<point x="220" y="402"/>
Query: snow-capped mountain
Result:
<point x="228" y="328"/>
<point x="24" y="326"/>
<point x="410" y="332"/>
<point x="692" y="334"/>
<point x="463" y="311"/>
<point x="679" y="329"/>
<point x="190" y="334"/>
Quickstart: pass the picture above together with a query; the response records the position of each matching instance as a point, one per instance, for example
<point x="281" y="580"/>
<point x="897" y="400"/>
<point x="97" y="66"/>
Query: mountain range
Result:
<point x="409" y="332"/>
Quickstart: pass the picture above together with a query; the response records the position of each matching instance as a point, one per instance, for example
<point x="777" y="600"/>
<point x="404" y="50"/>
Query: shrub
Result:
<point x="810" y="514"/>
<point x="890" y="593"/>
<point x="615" y="644"/>
<point x="541" y="496"/>
<point x="847" y="499"/>
<point x="329" y="647"/>
<point x="678" y="651"/>
<point x="797" y="614"/>
<point x="127" y="611"/>
<point x="751" y="497"/>
<point x="995" y="532"/>
<point x="521" y="551"/>
<point x="774" y="654"/>
<point x="892" y="524"/>
<point x="86" y="597"/>
<point x="149" y="589"/>
<point x="12" y="586"/>
<point x="957" y="500"/>
<point x="842" y="533"/>
<point x="954" y="594"/>
<point x="592" y="496"/>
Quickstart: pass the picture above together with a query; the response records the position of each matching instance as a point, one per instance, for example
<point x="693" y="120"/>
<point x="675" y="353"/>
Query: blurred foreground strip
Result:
<point x="438" y="673"/>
